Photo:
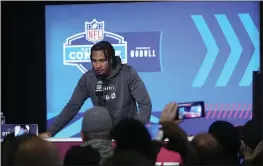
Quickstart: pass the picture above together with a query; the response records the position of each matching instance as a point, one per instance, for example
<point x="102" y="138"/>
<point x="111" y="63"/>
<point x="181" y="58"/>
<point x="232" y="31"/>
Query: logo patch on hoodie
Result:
<point x="141" y="50"/>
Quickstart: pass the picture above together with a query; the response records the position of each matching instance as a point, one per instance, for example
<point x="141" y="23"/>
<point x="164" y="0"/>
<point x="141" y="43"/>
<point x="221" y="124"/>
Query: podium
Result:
<point x="18" y="129"/>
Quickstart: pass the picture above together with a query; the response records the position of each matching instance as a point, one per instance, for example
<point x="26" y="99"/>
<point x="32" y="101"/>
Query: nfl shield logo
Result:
<point x="94" y="30"/>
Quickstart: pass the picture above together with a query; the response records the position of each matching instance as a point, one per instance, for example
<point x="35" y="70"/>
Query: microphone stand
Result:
<point x="100" y="95"/>
<point x="100" y="101"/>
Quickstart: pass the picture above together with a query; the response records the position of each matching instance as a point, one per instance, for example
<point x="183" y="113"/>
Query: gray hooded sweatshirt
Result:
<point x="122" y="90"/>
<point x="104" y="147"/>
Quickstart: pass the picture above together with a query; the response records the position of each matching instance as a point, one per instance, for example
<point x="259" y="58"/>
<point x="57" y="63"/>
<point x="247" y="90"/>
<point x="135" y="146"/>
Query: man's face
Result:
<point x="100" y="63"/>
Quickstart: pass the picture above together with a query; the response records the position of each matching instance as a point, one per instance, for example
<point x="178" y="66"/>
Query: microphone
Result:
<point x="99" y="88"/>
<point x="99" y="91"/>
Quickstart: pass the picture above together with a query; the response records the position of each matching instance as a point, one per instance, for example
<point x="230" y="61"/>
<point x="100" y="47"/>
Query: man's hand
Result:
<point x="258" y="150"/>
<point x="169" y="113"/>
<point x="250" y="154"/>
<point x="45" y="135"/>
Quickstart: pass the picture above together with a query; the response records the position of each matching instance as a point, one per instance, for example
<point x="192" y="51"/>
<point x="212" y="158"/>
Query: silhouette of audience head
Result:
<point x="10" y="145"/>
<point x="131" y="134"/>
<point x="36" y="151"/>
<point x="79" y="155"/>
<point x="252" y="133"/>
<point x="228" y="136"/>
<point x="130" y="158"/>
<point x="208" y="149"/>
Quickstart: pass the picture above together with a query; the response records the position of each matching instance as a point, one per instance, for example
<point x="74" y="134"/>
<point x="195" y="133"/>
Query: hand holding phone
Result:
<point x="169" y="113"/>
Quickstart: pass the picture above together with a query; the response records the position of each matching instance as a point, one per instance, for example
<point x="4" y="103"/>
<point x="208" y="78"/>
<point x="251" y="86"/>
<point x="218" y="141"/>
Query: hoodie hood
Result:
<point x="104" y="147"/>
<point x="117" y="68"/>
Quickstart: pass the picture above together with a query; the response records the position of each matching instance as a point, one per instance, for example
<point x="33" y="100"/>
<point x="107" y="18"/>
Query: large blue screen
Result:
<point x="183" y="51"/>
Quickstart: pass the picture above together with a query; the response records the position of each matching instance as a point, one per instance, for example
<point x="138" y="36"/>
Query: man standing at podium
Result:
<point x="110" y="84"/>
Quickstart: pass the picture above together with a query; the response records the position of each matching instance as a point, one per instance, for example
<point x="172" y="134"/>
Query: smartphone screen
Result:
<point x="21" y="130"/>
<point x="191" y="110"/>
<point x="159" y="135"/>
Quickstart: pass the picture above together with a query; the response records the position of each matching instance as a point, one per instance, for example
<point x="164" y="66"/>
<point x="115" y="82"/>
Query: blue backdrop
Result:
<point x="183" y="51"/>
